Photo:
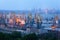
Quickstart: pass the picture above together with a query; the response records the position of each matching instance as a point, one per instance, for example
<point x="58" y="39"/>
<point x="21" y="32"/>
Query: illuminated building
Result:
<point x="23" y="16"/>
<point x="22" y="22"/>
<point x="2" y="22"/>
<point x="53" y="27"/>
<point x="38" y="21"/>
<point x="1" y="15"/>
<point x="56" y="21"/>
<point x="35" y="18"/>
<point x="30" y="20"/>
<point x="11" y="21"/>
<point x="18" y="20"/>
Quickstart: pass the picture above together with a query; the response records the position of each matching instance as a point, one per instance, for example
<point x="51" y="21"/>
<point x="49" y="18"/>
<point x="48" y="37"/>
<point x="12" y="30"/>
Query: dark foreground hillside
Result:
<point x="51" y="35"/>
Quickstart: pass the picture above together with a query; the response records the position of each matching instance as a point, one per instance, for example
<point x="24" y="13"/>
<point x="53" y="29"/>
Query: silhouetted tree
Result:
<point x="30" y="37"/>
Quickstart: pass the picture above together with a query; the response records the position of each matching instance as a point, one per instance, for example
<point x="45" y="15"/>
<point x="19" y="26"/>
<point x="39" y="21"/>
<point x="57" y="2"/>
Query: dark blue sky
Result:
<point x="29" y="4"/>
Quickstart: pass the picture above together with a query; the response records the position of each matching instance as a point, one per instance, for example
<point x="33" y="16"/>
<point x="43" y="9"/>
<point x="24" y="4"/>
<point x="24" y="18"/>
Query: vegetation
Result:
<point x="30" y="37"/>
<point x="33" y="36"/>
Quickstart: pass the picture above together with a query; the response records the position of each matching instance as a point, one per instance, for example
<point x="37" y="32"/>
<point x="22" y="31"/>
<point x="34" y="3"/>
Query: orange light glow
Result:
<point x="18" y="20"/>
<point x="11" y="21"/>
<point x="53" y="27"/>
<point x="22" y="23"/>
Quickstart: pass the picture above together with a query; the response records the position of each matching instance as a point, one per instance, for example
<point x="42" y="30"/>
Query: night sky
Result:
<point x="29" y="4"/>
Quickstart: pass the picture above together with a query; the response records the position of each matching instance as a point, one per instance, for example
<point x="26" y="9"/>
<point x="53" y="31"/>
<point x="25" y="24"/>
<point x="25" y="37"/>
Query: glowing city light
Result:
<point x="22" y="22"/>
<point x="53" y="27"/>
<point x="18" y="20"/>
<point x="11" y="21"/>
<point x="56" y="21"/>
